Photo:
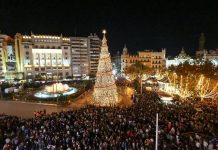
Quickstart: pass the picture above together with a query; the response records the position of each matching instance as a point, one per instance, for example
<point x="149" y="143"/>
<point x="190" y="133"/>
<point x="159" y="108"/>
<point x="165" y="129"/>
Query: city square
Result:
<point x="103" y="78"/>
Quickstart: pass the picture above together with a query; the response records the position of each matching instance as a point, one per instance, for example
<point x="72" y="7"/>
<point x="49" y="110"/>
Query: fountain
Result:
<point x="55" y="90"/>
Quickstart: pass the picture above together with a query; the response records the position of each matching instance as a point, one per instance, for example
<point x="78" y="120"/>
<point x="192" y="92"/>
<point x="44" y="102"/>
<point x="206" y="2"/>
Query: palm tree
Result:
<point x="137" y="71"/>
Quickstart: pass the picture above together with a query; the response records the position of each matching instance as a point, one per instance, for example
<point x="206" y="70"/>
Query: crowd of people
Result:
<point x="181" y="127"/>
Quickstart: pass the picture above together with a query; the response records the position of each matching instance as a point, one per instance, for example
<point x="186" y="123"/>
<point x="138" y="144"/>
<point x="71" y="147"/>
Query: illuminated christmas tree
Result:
<point x="105" y="90"/>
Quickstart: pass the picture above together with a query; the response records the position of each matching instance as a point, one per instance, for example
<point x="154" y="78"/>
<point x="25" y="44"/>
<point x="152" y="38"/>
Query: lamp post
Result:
<point x="1" y="92"/>
<point x="156" y="141"/>
<point x="126" y="90"/>
<point x="141" y="86"/>
<point x="57" y="76"/>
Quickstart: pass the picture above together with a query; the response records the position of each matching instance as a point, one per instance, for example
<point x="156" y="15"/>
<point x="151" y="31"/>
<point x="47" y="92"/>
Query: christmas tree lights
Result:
<point x="105" y="89"/>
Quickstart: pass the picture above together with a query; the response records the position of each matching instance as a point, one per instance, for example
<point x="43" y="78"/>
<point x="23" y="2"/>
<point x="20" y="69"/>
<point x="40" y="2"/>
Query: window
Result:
<point x="65" y="57"/>
<point x="27" y="57"/>
<point x="36" y="69"/>
<point x="26" y="46"/>
<point x="65" y="47"/>
<point x="27" y="53"/>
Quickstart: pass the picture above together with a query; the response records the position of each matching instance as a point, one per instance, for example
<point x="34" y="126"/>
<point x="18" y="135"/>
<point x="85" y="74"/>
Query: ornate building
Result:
<point x="183" y="55"/>
<point x="211" y="55"/>
<point x="181" y="58"/>
<point x="150" y="58"/>
<point x="105" y="89"/>
<point x="204" y="54"/>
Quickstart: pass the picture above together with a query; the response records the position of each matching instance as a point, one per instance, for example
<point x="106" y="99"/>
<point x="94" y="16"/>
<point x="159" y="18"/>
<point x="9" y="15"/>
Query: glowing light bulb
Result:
<point x="104" y="31"/>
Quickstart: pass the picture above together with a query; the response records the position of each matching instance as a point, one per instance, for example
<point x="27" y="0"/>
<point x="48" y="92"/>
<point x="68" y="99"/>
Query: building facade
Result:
<point x="211" y="55"/>
<point x="94" y="51"/>
<point x="180" y="59"/>
<point x="80" y="56"/>
<point x="7" y="57"/>
<point x="150" y="58"/>
<point x="116" y="64"/>
<point x="85" y="55"/>
<point x="44" y="56"/>
<point x="48" y="57"/>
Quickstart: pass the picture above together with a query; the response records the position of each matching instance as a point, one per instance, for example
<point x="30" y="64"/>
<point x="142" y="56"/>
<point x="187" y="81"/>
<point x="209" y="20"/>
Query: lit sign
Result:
<point x="56" y="51"/>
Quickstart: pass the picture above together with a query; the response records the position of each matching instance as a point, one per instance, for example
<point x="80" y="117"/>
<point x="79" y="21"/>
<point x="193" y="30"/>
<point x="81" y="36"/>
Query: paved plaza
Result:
<point x="26" y="109"/>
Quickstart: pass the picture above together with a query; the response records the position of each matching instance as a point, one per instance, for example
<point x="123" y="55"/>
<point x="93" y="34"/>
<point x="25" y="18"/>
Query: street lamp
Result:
<point x="57" y="98"/>
<point x="1" y="92"/>
<point x="141" y="86"/>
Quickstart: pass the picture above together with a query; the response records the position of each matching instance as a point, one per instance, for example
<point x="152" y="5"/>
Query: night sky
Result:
<point x="154" y="25"/>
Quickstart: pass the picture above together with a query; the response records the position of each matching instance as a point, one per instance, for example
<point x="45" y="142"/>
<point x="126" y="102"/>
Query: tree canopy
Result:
<point x="137" y="70"/>
<point x="206" y="68"/>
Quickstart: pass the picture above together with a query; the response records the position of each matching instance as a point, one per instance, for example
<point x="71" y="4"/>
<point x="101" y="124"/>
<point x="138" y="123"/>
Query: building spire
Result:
<point x="125" y="50"/>
<point x="182" y="50"/>
<point x="202" y="41"/>
<point x="104" y="40"/>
